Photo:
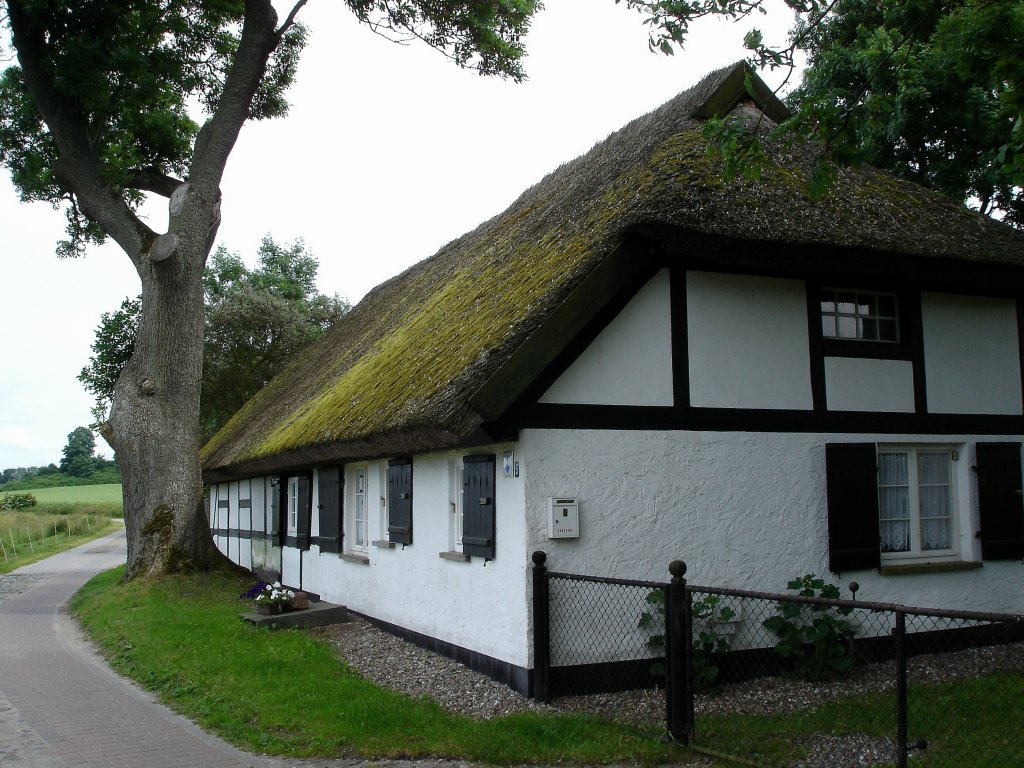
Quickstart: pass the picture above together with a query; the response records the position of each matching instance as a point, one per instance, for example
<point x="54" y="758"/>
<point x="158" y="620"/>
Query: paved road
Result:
<point x="61" y="706"/>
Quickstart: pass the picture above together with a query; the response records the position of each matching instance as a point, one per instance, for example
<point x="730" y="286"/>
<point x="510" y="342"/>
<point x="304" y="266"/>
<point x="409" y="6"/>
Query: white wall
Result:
<point x="861" y="384"/>
<point x="630" y="361"/>
<point x="469" y="604"/>
<point x="744" y="510"/>
<point x="971" y="354"/>
<point x="748" y="341"/>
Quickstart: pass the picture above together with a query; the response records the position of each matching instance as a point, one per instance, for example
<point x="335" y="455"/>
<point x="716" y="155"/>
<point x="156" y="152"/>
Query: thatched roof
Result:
<point x="427" y="357"/>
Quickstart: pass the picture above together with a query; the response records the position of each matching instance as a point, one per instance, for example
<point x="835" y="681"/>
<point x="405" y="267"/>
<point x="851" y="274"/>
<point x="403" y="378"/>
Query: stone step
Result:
<point x="319" y="614"/>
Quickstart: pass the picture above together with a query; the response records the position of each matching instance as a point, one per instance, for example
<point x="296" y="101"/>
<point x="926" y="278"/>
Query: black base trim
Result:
<point x="519" y="679"/>
<point x="604" y="677"/>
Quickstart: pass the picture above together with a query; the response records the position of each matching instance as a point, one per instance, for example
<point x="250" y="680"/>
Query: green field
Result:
<point x="78" y="494"/>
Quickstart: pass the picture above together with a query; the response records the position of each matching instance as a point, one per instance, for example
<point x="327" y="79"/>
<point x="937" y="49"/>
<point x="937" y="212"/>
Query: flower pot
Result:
<point x="268" y="609"/>
<point x="297" y="602"/>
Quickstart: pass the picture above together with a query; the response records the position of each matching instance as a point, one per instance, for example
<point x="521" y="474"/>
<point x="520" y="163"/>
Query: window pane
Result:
<point x="865" y="305"/>
<point x="895" y="536"/>
<point x="887" y="306"/>
<point x="933" y="468"/>
<point x="887" y="330"/>
<point x="868" y="328"/>
<point x="894" y="502"/>
<point x="933" y="478"/>
<point x="828" y="306"/>
<point x="935" y="534"/>
<point x="847" y="302"/>
<point x="847" y="327"/>
<point x="893" y="469"/>
<point x="828" y="326"/>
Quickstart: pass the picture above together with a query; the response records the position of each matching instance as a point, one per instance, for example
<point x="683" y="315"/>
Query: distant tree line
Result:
<point x="79" y="465"/>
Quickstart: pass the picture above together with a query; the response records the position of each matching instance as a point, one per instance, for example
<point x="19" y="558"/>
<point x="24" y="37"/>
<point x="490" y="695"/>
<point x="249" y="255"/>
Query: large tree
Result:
<point x="95" y="115"/>
<point x="77" y="456"/>
<point x="256" y="321"/>
<point x="929" y="90"/>
<point x="932" y="90"/>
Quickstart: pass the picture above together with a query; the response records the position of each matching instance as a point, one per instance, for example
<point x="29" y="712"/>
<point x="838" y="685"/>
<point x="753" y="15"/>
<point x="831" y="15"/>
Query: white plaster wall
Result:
<point x="244" y="515"/>
<point x="472" y="605"/>
<point x="860" y="384"/>
<point x="971" y="354"/>
<point x="743" y="510"/>
<point x="290" y="573"/>
<point x="244" y="552"/>
<point x="630" y="361"/>
<point x="748" y="343"/>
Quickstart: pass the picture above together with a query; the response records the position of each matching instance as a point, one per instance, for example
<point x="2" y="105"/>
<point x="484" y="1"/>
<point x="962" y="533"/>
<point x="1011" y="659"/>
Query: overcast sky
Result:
<point x="388" y="153"/>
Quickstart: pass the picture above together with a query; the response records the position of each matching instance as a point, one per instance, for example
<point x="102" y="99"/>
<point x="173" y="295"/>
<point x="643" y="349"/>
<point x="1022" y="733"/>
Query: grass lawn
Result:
<point x="28" y="537"/>
<point x="965" y="723"/>
<point x="284" y="692"/>
<point x="78" y="494"/>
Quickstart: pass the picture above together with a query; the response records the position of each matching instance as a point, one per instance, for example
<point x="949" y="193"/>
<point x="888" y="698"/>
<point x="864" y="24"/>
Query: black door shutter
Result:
<point x="400" y="501"/>
<point x="851" y="472"/>
<point x="279" y="509"/>
<point x="305" y="511"/>
<point x="478" y="506"/>
<point x="329" y="493"/>
<point x="1000" y="501"/>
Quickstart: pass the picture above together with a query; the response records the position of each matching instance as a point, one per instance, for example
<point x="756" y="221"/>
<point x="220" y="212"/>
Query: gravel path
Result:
<point x="393" y="663"/>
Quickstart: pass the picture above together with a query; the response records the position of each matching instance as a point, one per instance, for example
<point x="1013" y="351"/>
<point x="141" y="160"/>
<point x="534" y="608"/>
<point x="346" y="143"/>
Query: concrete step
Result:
<point x="319" y="614"/>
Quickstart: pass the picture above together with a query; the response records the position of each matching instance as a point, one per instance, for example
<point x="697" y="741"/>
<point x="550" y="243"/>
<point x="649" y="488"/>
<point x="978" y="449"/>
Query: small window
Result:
<point x="293" y="505"/>
<point x="916" y="503"/>
<point x="360" y="536"/>
<point x="456" y="504"/>
<point x="859" y="315"/>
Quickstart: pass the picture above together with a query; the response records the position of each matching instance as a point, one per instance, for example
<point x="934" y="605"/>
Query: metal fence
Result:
<point x="798" y="679"/>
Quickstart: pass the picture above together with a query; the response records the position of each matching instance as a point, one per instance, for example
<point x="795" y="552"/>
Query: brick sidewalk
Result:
<point x="61" y="706"/>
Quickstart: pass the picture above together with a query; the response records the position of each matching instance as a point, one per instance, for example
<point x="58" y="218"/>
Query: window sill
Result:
<point x="899" y="570"/>
<point x="352" y="558"/>
<point x="455" y="557"/>
<point x="383" y="544"/>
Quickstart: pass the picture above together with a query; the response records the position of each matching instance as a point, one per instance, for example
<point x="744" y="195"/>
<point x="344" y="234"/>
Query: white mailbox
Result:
<point x="563" y="518"/>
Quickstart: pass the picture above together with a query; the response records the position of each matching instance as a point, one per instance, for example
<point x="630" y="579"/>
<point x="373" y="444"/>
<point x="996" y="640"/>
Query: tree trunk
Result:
<point x="154" y="420"/>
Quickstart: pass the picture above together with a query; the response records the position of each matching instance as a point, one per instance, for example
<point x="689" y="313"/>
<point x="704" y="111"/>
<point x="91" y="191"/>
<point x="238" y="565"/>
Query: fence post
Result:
<point x="899" y="633"/>
<point x="541" y="628"/>
<point x="678" y="646"/>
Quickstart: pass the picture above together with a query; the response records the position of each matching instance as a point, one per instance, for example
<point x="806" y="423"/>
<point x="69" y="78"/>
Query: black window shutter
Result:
<point x="329" y="494"/>
<point x="305" y="511"/>
<point x="1000" y="501"/>
<point x="400" y="501"/>
<point x="478" y="520"/>
<point x="851" y="472"/>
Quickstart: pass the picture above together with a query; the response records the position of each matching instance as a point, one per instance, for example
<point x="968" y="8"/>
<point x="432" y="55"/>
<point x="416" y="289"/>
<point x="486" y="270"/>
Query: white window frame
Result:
<point x="456" y="507"/>
<point x="830" y="295"/>
<point x="915" y="554"/>
<point x="293" y="505"/>
<point x="358" y="497"/>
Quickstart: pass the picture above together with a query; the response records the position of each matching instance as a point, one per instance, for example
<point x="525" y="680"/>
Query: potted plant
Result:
<point x="272" y="598"/>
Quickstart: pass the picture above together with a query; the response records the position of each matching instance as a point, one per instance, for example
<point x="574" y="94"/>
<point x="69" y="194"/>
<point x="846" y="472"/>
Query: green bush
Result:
<point x="709" y="638"/>
<point x="17" y="501"/>
<point x="814" y="638"/>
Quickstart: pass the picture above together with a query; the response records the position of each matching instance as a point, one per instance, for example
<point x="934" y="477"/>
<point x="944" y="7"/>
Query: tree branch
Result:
<point x="78" y="167"/>
<point x="288" y="22"/>
<point x="152" y="180"/>
<point x="217" y="137"/>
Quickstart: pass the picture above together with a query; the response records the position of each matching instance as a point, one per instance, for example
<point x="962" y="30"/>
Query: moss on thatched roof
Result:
<point x="396" y="375"/>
